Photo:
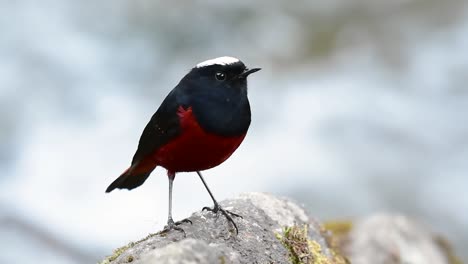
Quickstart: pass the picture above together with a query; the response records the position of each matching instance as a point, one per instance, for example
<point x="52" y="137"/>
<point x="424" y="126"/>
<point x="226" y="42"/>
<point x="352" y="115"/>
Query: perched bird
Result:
<point x="198" y="126"/>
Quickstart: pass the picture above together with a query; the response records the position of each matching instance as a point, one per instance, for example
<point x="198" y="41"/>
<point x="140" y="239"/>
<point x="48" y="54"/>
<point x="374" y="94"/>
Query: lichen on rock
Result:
<point x="211" y="238"/>
<point x="303" y="250"/>
<point x="277" y="230"/>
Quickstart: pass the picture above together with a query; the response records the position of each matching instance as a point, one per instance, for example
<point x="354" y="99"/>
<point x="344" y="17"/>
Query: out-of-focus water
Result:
<point x="360" y="107"/>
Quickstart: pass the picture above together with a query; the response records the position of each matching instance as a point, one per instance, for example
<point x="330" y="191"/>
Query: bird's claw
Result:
<point x="171" y="225"/>
<point x="183" y="221"/>
<point x="216" y="209"/>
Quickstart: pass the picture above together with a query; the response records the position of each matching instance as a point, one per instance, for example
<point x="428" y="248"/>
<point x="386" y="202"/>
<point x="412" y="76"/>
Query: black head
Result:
<point x="217" y="91"/>
<point x="226" y="72"/>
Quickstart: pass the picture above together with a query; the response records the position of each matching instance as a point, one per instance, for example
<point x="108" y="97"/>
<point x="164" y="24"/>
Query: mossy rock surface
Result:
<point x="278" y="230"/>
<point x="211" y="239"/>
<point x="303" y="250"/>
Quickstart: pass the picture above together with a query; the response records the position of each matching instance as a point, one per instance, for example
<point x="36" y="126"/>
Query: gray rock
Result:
<point x="211" y="239"/>
<point x="187" y="251"/>
<point x="393" y="238"/>
<point x="277" y="230"/>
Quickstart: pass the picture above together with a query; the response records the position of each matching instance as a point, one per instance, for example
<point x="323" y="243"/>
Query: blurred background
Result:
<point x="361" y="107"/>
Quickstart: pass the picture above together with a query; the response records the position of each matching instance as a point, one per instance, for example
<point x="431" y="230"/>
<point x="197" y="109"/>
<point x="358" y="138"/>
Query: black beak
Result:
<point x="247" y="72"/>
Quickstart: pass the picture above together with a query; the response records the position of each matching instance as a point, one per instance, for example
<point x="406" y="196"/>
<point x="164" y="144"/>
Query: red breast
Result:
<point x="194" y="149"/>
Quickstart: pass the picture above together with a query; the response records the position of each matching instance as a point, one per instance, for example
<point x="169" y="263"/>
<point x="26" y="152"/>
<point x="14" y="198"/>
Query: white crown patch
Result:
<point x="218" y="61"/>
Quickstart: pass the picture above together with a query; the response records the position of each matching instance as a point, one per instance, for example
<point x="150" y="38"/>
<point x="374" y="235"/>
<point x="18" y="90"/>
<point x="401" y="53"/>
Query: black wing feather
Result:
<point x="162" y="128"/>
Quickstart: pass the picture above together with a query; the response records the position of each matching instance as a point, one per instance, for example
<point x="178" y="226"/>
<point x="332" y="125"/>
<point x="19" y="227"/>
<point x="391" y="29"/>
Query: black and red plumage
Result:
<point x="198" y="126"/>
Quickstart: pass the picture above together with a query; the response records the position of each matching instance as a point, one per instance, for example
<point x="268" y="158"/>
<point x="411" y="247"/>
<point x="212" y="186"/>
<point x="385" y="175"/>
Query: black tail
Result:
<point x="128" y="181"/>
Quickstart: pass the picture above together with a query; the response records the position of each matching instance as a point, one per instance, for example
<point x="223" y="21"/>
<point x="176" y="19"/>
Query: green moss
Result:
<point x="302" y="250"/>
<point x="294" y="239"/>
<point x="338" y="227"/>
<point x="319" y="257"/>
<point x="117" y="252"/>
<point x="222" y="260"/>
<point x="336" y="233"/>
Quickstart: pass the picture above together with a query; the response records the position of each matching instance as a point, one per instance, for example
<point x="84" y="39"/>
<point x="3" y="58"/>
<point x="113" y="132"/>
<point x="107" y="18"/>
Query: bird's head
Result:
<point x="223" y="72"/>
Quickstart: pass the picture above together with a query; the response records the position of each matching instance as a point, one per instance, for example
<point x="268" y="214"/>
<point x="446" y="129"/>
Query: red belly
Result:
<point x="194" y="149"/>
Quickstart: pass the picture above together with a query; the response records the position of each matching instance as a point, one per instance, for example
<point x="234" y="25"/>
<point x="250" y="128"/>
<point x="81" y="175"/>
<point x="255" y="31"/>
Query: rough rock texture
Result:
<point x="187" y="251"/>
<point x="276" y="230"/>
<point x="210" y="239"/>
<point x="392" y="239"/>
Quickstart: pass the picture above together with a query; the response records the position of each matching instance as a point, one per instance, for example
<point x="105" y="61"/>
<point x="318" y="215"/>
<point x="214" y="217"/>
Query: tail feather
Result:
<point x="129" y="179"/>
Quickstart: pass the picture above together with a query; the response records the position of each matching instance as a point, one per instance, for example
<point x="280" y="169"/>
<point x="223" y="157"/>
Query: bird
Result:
<point x="198" y="126"/>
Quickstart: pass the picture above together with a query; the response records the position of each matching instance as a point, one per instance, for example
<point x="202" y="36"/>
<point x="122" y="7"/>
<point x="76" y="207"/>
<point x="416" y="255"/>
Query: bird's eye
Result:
<point x="220" y="76"/>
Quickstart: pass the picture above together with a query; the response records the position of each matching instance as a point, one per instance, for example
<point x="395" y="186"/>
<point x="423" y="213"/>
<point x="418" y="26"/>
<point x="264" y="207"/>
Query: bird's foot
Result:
<point x="171" y="225"/>
<point x="216" y="209"/>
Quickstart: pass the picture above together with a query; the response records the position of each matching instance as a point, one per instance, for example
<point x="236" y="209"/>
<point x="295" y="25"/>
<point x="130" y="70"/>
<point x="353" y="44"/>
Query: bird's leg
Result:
<point x="217" y="208"/>
<point x="170" y="222"/>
